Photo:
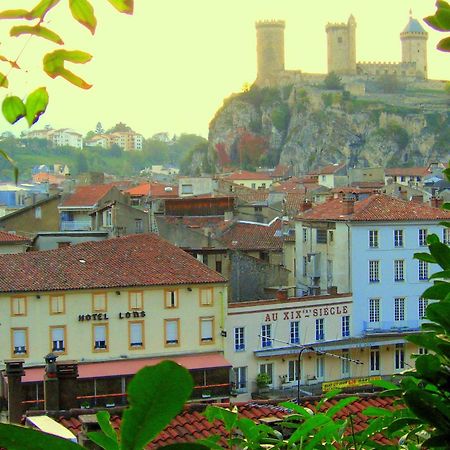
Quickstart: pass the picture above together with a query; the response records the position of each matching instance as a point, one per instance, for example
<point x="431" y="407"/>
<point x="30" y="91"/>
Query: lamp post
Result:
<point x="311" y="349"/>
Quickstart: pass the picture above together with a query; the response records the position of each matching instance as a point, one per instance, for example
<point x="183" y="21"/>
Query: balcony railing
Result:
<point x="75" y="225"/>
<point x="394" y="326"/>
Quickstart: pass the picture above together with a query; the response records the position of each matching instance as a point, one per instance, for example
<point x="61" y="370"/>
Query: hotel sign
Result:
<point x="306" y="312"/>
<point x="104" y="316"/>
<point x="344" y="384"/>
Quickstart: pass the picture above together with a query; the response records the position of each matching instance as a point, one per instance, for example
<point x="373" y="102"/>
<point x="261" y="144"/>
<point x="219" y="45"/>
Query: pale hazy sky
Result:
<point x="169" y="67"/>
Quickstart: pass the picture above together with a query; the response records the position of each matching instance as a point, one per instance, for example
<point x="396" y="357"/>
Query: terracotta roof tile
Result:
<point x="407" y="171"/>
<point x="8" y="238"/>
<point x="155" y="190"/>
<point x="378" y="207"/>
<point x="331" y="168"/>
<point x="253" y="236"/>
<point x="88" y="195"/>
<point x="246" y="175"/>
<point x="143" y="259"/>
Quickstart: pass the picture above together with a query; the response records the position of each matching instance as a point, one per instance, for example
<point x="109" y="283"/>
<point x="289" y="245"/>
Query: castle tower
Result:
<point x="341" y="39"/>
<point x="269" y="51"/>
<point x="414" y="46"/>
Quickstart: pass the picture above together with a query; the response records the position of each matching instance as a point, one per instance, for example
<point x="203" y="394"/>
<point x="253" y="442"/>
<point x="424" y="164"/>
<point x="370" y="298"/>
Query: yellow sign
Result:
<point x="343" y="384"/>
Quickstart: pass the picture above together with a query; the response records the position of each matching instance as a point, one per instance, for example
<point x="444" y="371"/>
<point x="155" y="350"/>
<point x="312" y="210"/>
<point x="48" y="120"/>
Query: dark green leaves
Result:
<point x="123" y="6"/>
<point x="156" y="394"/>
<point x="83" y="13"/>
<point x="54" y="65"/>
<point x="13" y="109"/>
<point x="441" y="22"/>
<point x="36" y="105"/>
<point x="14" y="437"/>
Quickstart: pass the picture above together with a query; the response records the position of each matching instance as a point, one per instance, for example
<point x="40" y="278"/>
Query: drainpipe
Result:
<point x="349" y="280"/>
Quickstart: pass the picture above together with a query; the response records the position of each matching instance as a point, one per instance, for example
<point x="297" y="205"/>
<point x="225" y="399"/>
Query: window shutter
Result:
<point x="172" y="331"/>
<point x="58" y="334"/>
<point x="19" y="338"/>
<point x="100" y="333"/>
<point x="136" y="334"/>
<point x="207" y="329"/>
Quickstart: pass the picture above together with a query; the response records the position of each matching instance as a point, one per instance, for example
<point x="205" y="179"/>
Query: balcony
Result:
<point x="391" y="326"/>
<point x="75" y="225"/>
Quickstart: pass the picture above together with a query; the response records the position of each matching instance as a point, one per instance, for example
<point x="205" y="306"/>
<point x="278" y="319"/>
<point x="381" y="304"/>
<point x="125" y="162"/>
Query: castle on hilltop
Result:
<point x="341" y="56"/>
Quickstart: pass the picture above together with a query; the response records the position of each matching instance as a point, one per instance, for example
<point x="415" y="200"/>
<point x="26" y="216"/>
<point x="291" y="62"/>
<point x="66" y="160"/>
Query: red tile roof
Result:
<point x="246" y="175"/>
<point x="331" y="168"/>
<point x="9" y="238"/>
<point x="407" y="171"/>
<point x="253" y="236"/>
<point x="88" y="195"/>
<point x="280" y="171"/>
<point x="191" y="425"/>
<point x="377" y="207"/>
<point x="291" y="185"/>
<point x="134" y="260"/>
<point x="155" y="190"/>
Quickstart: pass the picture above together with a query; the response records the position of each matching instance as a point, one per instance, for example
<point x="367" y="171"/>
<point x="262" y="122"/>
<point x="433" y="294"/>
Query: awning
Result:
<point x="123" y="367"/>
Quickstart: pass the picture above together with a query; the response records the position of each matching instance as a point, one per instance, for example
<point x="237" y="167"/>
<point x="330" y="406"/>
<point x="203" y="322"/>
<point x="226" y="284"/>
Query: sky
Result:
<point x="169" y="67"/>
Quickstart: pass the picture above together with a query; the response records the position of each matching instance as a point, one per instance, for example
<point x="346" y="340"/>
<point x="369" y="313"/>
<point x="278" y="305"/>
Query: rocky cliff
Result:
<point x="309" y="127"/>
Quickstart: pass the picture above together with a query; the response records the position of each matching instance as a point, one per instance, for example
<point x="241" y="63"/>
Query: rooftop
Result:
<point x="331" y="169"/>
<point x="143" y="259"/>
<point x="10" y="238"/>
<point x="154" y="190"/>
<point x="413" y="26"/>
<point x="407" y="171"/>
<point x="88" y="195"/>
<point x="246" y="175"/>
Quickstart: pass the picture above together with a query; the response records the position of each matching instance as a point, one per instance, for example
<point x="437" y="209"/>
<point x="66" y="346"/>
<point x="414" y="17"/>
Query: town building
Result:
<point x="114" y="306"/>
<point x="59" y="138"/>
<point x="11" y="243"/>
<point x="254" y="180"/>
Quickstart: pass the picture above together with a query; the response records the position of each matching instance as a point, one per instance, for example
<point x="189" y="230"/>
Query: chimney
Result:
<point x="348" y="206"/>
<point x="89" y="424"/>
<point x="51" y="384"/>
<point x="281" y="295"/>
<point x="305" y="205"/>
<point x="404" y="195"/>
<point x="14" y="372"/>
<point x="67" y="373"/>
<point x="436" y="202"/>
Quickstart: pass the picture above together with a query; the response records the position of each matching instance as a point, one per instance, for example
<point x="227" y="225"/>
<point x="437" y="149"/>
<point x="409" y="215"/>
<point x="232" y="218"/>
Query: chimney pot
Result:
<point x="348" y="206"/>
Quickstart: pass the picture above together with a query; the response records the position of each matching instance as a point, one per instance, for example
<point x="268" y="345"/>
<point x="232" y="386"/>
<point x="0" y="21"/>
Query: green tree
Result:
<point x="333" y="82"/>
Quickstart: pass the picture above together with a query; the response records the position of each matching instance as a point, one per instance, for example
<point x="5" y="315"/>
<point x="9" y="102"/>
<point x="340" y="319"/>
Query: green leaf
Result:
<point x="14" y="437"/>
<point x="377" y="412"/>
<point x="36" y="104"/>
<point x="307" y="426"/>
<point x="123" y="6"/>
<point x="4" y="155"/>
<point x="432" y="239"/>
<point x="428" y="366"/>
<point x="228" y="417"/>
<point x="438" y="291"/>
<point x="54" y="65"/>
<point x="103" y="419"/>
<point x="153" y="402"/>
<point x="102" y="440"/>
<point x="3" y="80"/>
<point x="36" y="31"/>
<point x="13" y="109"/>
<point x="439" y="312"/>
<point x="83" y="13"/>
<point x="384" y="384"/>
<point x="305" y="412"/>
<point x="445" y="224"/>
<point x="424" y="257"/>
<point x="328" y="396"/>
<point x="403" y="422"/>
<point x="14" y="14"/>
<point x="185" y="446"/>
<point x="342" y="403"/>
<point x="444" y="45"/>
<point x="41" y="9"/>
<point x="441" y="253"/>
<point x="443" y="274"/>
<point x="426" y="340"/>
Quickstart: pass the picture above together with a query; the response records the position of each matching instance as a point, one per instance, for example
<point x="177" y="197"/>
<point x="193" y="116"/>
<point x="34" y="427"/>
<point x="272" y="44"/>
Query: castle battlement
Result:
<point x="380" y="63"/>
<point x="330" y="25"/>
<point x="270" y="23"/>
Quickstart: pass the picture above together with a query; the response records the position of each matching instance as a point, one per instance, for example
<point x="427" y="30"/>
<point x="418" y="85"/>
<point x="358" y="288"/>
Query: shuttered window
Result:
<point x="136" y="335"/>
<point x="206" y="329"/>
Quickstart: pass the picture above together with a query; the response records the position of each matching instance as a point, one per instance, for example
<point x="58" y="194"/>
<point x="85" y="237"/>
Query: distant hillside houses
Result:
<point x="127" y="140"/>
<point x="59" y="138"/>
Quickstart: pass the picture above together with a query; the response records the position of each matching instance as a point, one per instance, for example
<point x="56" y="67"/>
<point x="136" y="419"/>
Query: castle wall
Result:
<point x="341" y="41"/>
<point x="391" y="68"/>
<point x="414" y="49"/>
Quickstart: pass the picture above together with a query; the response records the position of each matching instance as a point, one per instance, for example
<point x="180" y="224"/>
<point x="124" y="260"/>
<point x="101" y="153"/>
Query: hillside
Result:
<point x="310" y="126"/>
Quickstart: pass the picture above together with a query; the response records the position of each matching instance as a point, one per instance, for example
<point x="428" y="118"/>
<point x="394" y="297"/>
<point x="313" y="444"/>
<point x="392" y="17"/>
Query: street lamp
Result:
<point x="302" y="349"/>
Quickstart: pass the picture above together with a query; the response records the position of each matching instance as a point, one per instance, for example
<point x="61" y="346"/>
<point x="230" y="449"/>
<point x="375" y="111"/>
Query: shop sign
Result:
<point x="343" y="384"/>
<point x="307" y="312"/>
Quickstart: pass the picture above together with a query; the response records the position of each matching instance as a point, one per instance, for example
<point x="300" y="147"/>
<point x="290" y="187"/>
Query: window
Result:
<point x="320" y="333"/>
<point x="295" y="332"/>
<point x="206" y="297"/>
<point x="345" y="363"/>
<point x="136" y="300"/>
<point x="267" y="368"/>
<point x="423" y="236"/>
<point x="399" y="356"/>
<point x="293" y="370"/>
<point x="171" y="298"/>
<point x="205" y="258"/>
<point x="171" y="332"/>
<point x="18" y="306"/>
<point x="374" y="359"/>
<point x="20" y="341"/>
<point x="99" y="303"/>
<point x="138" y="226"/>
<point x="423" y="271"/>
<point x="136" y="335"/>
<point x="402" y="178"/>
<point x="239" y="339"/>
<point x="374" y="310"/>
<point x="186" y="189"/>
<point x="253" y="185"/>
<point x="374" y="271"/>
<point x="240" y="379"/>
<point x="320" y="367"/>
<point x="219" y="266"/>
<point x="398" y="238"/>
<point x="423" y="351"/>
<point x="399" y="270"/>
<point x="57" y="304"/>
<point x="206" y="330"/>
<point x="373" y="238"/>
<point x="331" y="235"/>
<point x="57" y="337"/>
<point x="100" y="337"/>
<point x="399" y="309"/>
<point x="266" y="336"/>
<point x="305" y="266"/>
<point x="305" y="234"/>
<point x="321" y="236"/>
<point x="38" y="212"/>
<point x="423" y="303"/>
<point x="446" y="236"/>
<point x="345" y="326"/>
<point x="107" y="218"/>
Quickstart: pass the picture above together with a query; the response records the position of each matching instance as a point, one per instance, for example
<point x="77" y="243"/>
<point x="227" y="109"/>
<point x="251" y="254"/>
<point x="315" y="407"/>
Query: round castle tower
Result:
<point x="414" y="46"/>
<point x="269" y="51"/>
<point x="341" y="39"/>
